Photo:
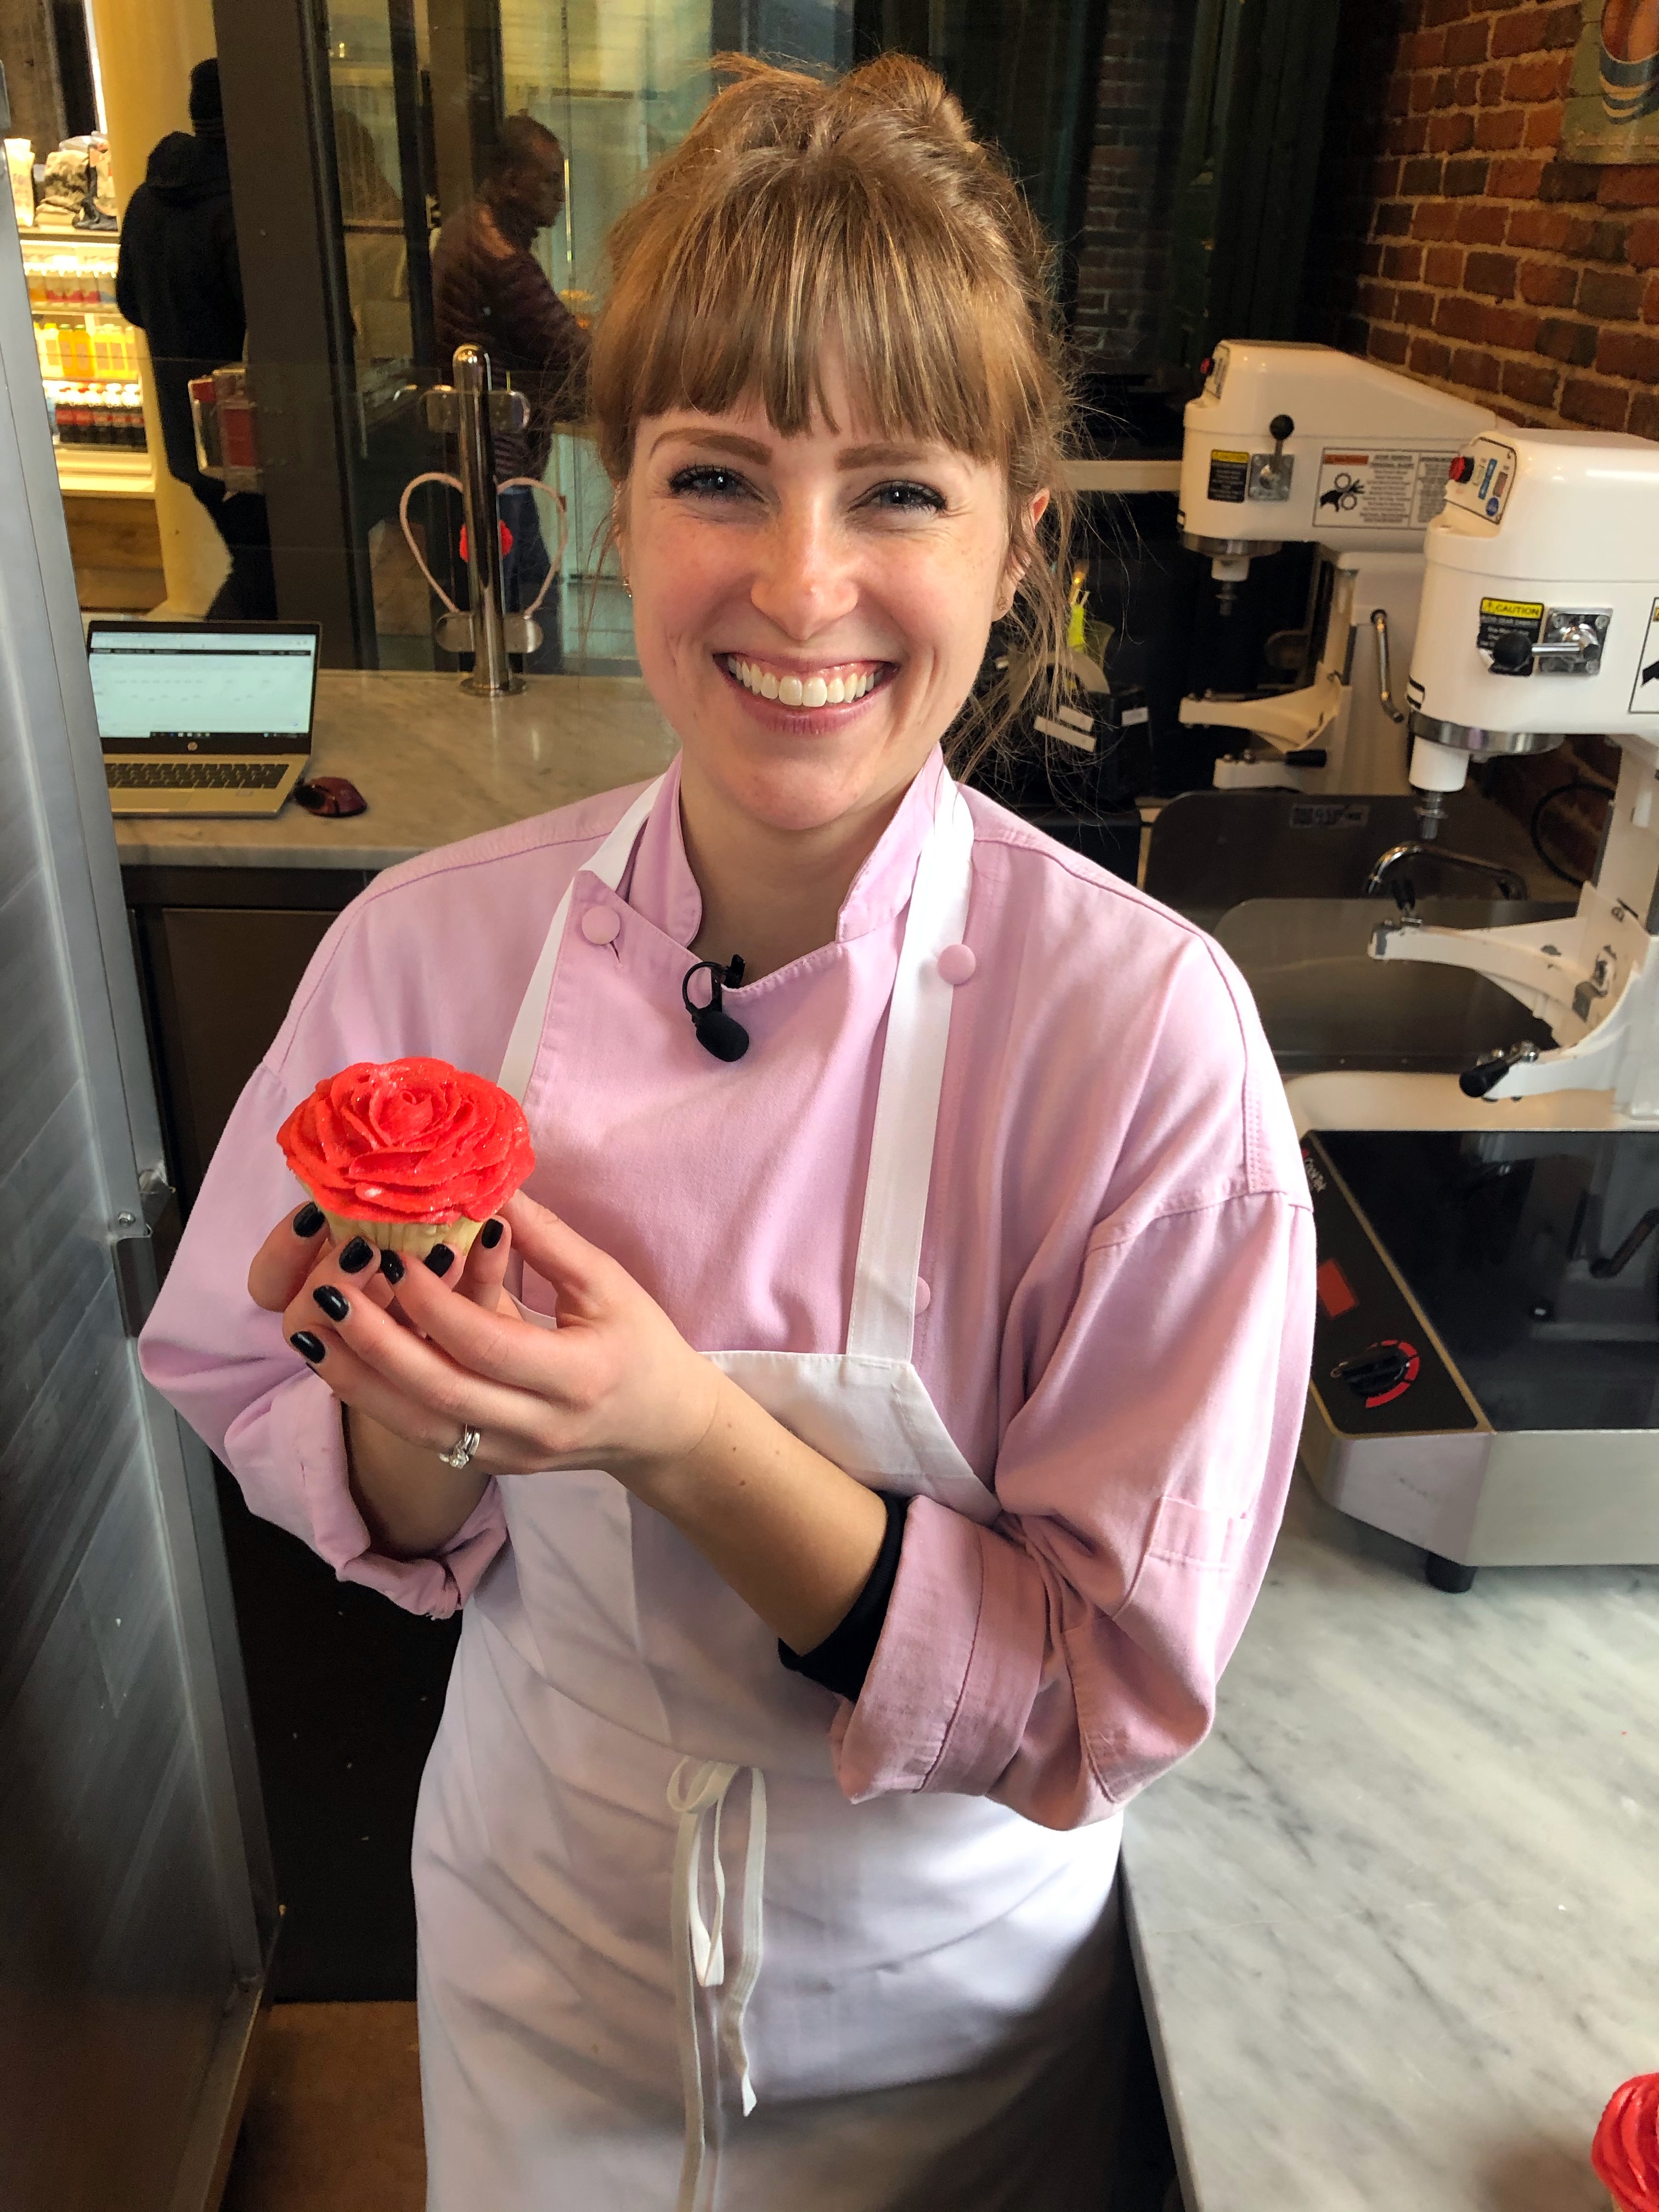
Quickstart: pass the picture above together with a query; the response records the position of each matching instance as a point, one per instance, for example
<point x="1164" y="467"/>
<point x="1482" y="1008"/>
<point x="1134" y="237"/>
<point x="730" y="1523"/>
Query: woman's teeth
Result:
<point x="800" y="692"/>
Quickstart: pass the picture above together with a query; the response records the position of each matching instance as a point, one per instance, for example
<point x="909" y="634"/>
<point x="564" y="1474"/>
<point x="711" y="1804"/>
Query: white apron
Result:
<point x="663" y="1962"/>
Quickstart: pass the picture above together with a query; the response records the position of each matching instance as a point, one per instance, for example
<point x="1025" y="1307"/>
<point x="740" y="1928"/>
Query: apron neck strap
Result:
<point x="881" y="1324"/>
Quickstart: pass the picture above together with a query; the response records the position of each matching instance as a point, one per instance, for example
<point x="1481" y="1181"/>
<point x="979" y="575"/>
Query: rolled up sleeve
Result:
<point x="1061" y="1658"/>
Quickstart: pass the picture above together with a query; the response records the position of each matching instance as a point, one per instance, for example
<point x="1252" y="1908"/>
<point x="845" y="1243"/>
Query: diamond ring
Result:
<point x="460" y="1454"/>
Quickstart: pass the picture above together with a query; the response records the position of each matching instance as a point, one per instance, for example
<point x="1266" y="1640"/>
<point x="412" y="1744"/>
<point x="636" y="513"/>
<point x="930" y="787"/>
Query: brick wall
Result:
<point x="1126" y="236"/>
<point x="1478" y="257"/>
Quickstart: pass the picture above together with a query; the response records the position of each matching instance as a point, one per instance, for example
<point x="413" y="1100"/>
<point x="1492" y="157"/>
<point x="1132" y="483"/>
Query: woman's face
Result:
<point x="810" y="612"/>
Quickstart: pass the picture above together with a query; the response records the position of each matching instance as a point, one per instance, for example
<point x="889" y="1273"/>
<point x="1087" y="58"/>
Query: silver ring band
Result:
<point x="459" y="1455"/>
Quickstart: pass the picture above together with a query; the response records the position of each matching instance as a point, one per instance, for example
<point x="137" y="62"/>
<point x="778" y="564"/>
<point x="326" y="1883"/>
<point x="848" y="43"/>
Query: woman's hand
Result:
<point x="614" y="1386"/>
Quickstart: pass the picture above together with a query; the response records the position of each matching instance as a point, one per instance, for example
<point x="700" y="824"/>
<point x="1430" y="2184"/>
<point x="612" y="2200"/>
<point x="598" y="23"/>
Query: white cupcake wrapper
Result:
<point x="410" y="1239"/>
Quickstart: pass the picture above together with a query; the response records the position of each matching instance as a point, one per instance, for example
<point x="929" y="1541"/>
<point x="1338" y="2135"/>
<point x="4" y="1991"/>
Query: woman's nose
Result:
<point x="804" y="575"/>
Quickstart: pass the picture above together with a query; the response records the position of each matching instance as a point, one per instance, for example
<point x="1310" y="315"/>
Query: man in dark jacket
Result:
<point x="489" y="290"/>
<point x="179" y="279"/>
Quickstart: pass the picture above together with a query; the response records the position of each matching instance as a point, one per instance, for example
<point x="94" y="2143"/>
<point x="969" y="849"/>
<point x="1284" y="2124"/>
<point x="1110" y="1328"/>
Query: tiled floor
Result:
<point x="334" y="2120"/>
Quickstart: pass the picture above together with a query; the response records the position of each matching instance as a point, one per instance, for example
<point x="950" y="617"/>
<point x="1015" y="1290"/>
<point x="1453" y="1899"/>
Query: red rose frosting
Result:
<point x="413" y="1140"/>
<point x="1625" y="2153"/>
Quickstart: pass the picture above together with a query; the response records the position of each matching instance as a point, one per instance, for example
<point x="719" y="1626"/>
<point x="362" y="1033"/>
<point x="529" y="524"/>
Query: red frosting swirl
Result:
<point x="408" y="1141"/>
<point x="1626" y="2152"/>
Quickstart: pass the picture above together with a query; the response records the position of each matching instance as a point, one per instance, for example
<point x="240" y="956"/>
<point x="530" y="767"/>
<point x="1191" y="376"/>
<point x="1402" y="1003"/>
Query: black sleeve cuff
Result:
<point x="842" y="1660"/>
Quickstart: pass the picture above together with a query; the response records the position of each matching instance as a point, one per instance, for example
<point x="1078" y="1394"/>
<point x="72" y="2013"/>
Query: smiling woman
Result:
<point x="858" y="1456"/>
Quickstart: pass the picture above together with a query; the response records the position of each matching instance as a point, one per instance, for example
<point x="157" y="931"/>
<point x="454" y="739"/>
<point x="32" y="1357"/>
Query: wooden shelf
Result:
<point x="106" y="470"/>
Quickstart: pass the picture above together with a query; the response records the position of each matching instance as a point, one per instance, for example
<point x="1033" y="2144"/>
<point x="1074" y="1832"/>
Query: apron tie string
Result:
<point x="696" y="1791"/>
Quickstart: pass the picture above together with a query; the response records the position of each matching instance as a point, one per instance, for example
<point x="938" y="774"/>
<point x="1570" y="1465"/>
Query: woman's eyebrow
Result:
<point x="721" y="441"/>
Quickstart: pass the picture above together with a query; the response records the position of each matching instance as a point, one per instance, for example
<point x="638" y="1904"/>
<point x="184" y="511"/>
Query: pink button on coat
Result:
<point x="1119" y="1251"/>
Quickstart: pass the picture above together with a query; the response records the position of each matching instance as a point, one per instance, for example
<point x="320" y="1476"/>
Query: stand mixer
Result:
<point x="1300" y="444"/>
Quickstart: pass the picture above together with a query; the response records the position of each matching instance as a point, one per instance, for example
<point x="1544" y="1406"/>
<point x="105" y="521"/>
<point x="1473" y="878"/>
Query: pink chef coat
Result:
<point x="1119" y="1253"/>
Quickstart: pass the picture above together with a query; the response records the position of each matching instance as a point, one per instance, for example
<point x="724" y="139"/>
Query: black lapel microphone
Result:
<point x="716" y="1030"/>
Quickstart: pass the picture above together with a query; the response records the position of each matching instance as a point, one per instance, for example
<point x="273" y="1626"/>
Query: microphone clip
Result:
<point x="717" y="1031"/>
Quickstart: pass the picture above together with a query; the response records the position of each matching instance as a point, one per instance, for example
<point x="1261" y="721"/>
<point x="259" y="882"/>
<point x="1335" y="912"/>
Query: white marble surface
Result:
<point x="433" y="765"/>
<point x="1397" y="1920"/>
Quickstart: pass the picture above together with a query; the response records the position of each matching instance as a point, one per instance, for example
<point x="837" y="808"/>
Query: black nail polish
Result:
<point x="441" y="1259"/>
<point x="331" y="1301"/>
<point x="304" y="1341"/>
<point x="356" y="1256"/>
<point x="308" y="1220"/>
<point x="391" y="1267"/>
<point x="492" y="1233"/>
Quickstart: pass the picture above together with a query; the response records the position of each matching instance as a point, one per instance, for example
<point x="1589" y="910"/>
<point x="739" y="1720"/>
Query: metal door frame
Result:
<point x="44" y="664"/>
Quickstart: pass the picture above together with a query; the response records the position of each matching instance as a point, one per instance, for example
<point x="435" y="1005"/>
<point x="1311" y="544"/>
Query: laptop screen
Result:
<point x="214" y="687"/>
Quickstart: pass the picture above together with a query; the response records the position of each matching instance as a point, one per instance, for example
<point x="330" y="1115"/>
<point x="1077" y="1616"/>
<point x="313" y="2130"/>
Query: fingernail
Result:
<point x="304" y="1341"/>
<point x="441" y="1259"/>
<point x="356" y="1256"/>
<point x="492" y="1233"/>
<point x="331" y="1301"/>
<point x="391" y="1267"/>
<point x="308" y="1220"/>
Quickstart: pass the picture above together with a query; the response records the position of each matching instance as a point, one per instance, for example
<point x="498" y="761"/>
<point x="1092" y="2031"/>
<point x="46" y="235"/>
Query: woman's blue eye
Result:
<point x="706" y="481"/>
<point x="906" y="499"/>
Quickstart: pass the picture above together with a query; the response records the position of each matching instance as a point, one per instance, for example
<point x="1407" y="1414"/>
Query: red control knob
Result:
<point x="1461" y="469"/>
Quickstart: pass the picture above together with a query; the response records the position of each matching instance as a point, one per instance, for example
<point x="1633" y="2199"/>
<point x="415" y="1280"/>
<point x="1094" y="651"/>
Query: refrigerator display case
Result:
<point x="89" y="363"/>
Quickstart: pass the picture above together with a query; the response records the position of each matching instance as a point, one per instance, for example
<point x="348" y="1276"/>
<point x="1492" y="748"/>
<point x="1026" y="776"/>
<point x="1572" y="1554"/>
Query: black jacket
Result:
<point x="179" y="278"/>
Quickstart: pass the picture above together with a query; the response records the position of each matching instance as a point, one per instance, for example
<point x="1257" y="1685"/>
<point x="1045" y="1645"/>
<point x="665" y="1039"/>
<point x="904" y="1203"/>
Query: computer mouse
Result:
<point x="331" y="794"/>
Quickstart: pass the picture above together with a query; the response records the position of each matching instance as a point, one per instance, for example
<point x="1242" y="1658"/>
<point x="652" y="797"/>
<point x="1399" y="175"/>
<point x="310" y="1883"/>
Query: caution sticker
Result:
<point x="1644" y="692"/>
<point x="1387" y="487"/>
<point x="1229" y="475"/>
<point x="1510" y="618"/>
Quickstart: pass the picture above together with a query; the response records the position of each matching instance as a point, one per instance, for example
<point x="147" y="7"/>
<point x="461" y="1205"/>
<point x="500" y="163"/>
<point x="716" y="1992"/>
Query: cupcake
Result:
<point x="1626" y="2152"/>
<point x="410" y="1153"/>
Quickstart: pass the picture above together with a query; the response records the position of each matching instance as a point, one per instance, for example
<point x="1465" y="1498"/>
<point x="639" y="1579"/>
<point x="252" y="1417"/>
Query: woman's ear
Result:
<point x="1017" y="562"/>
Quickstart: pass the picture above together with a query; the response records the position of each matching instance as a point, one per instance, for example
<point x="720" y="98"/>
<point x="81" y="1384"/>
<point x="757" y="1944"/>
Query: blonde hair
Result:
<point x="862" y="206"/>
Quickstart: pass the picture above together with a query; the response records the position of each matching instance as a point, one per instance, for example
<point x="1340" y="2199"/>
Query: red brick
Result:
<point x="1458" y="317"/>
<point x="1477" y="370"/>
<point x="1402" y="265"/>
<point x="1423" y="50"/>
<point x="1544" y="124"/>
<point x="1529" y="380"/>
<point x="1533" y="226"/>
<point x="1570" y="180"/>
<point x="1466" y="41"/>
<point x="1465" y="174"/>
<point x="1392" y="219"/>
<point x="1444" y="11"/>
<point x="1466" y="86"/>
<point x="1607" y="240"/>
<point x="1499" y="127"/>
<point x="1428" y="357"/>
<point x="1451" y="134"/>
<point x="1563" y="25"/>
<point x="1650" y="301"/>
<point x="1613" y="294"/>
<point x="1369" y="258"/>
<point x="1376" y="300"/>
<point x="1644" y="415"/>
<point x="1573" y="343"/>
<point x="1514" y="327"/>
<point x="1548" y="283"/>
<point x="1384" y="179"/>
<point x="1489" y="88"/>
<point x="1397" y="96"/>
<point x="1442" y="267"/>
<point x="1388" y="346"/>
<point x="1445" y="89"/>
<point x="1641" y="242"/>
<point x="1603" y="406"/>
<point x="1492" y="273"/>
<point x="1423" y="178"/>
<point x="1636" y="186"/>
<point x="1516" y="176"/>
<point x="1629" y="353"/>
<point x="1436" y="218"/>
<point x="1408" y="134"/>
<point x="1520" y="31"/>
<point x="1414" y="307"/>
<point x="1480" y="223"/>
<point x="1540" y="77"/>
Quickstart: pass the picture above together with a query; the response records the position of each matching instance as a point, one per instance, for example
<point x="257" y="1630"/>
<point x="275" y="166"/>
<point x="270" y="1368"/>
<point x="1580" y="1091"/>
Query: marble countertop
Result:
<point x="433" y="765"/>
<point x="1394" y="1921"/>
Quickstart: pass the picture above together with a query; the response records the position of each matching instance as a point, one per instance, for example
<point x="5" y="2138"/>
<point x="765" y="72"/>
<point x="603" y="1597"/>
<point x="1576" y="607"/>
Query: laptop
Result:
<point x="202" y="717"/>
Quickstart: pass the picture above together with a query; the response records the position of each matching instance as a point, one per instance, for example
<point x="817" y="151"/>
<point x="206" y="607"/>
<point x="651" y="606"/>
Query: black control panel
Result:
<point x="1374" y="1370"/>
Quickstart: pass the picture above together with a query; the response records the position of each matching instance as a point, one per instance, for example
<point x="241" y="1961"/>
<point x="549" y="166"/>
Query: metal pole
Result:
<point x="492" y="677"/>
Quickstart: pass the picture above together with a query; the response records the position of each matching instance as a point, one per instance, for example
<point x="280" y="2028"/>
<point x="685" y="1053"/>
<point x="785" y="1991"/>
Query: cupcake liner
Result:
<point x="410" y="1239"/>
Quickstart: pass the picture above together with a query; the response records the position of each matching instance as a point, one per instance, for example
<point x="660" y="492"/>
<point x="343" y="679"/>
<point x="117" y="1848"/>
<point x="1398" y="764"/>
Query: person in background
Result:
<point x="489" y="290"/>
<point x="179" y="279"/>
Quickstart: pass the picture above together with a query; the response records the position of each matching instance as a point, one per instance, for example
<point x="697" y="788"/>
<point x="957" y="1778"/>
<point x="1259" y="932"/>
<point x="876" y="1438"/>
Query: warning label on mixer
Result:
<point x="1228" y="472"/>
<point x="1397" y="487"/>
<point x="1510" y="618"/>
<point x="1644" y="692"/>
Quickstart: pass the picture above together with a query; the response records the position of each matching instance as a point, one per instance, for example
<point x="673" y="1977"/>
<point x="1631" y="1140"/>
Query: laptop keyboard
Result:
<point x="194" y="776"/>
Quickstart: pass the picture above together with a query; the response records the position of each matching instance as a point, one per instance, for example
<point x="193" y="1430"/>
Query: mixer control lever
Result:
<point x="1486" y="1074"/>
